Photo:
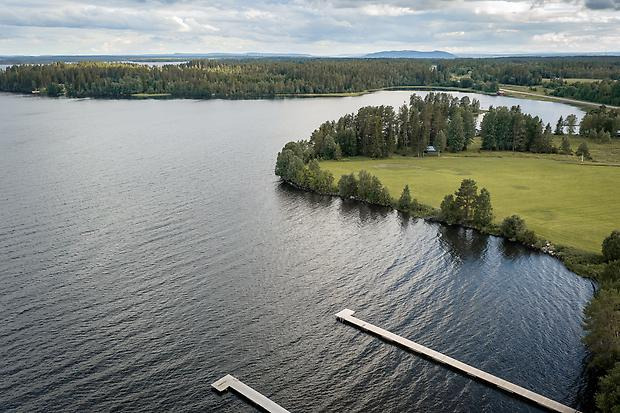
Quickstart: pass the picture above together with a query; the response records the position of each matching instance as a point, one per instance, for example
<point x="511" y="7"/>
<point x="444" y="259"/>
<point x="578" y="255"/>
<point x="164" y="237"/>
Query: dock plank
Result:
<point x="346" y="316"/>
<point x="249" y="393"/>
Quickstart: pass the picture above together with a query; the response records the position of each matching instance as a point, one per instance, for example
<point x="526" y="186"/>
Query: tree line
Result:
<point x="504" y="129"/>
<point x="449" y="124"/>
<point x="601" y="123"/>
<point x="606" y="91"/>
<point x="602" y="325"/>
<point x="379" y="131"/>
<point x="510" y="129"/>
<point x="245" y="78"/>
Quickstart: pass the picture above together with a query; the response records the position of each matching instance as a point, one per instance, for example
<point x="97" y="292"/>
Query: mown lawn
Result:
<point x="567" y="202"/>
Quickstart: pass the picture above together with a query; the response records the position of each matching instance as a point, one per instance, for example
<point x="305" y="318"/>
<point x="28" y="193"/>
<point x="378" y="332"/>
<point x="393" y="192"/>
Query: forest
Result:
<point x="605" y="91"/>
<point x="449" y="124"/>
<point x="264" y="78"/>
<point x="379" y="131"/>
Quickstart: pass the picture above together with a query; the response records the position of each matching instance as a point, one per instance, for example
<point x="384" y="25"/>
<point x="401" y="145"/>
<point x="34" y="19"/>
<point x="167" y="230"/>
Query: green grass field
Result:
<point x="567" y="202"/>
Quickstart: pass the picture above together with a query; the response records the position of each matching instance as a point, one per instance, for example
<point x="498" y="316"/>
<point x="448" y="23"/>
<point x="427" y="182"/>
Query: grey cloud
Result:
<point x="603" y="4"/>
<point x="295" y="25"/>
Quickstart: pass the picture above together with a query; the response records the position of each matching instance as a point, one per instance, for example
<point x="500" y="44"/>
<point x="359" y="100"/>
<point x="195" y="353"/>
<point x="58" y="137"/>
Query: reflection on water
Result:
<point x="148" y="250"/>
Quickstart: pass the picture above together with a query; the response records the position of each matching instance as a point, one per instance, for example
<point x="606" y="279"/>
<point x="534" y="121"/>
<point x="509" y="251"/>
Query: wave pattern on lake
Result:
<point x="147" y="250"/>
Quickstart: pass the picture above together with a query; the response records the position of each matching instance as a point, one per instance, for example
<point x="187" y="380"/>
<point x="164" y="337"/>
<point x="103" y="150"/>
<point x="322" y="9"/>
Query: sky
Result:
<point x="320" y="27"/>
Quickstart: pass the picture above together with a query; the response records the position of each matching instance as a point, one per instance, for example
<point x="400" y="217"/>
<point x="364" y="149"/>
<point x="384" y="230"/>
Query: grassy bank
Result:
<point x="150" y="95"/>
<point x="365" y="92"/>
<point x="539" y="92"/>
<point x="567" y="202"/>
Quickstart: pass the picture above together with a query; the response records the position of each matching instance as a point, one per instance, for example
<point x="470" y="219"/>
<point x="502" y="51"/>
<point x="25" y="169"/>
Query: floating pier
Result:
<point x="249" y="393"/>
<point x="346" y="316"/>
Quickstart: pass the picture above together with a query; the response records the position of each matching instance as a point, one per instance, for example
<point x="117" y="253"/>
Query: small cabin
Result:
<point x="431" y="150"/>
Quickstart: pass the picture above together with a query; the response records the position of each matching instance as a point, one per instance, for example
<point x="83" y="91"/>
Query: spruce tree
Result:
<point x="404" y="203"/>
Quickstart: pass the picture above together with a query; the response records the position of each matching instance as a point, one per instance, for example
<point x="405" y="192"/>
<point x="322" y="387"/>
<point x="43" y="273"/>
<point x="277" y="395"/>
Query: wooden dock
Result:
<point x="249" y="393"/>
<point x="346" y="316"/>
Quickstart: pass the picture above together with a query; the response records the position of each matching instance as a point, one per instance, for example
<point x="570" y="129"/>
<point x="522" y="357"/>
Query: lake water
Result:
<point x="157" y="63"/>
<point x="147" y="249"/>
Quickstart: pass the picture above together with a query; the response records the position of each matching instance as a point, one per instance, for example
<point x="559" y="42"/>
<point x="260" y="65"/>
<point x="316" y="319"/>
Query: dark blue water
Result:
<point x="147" y="249"/>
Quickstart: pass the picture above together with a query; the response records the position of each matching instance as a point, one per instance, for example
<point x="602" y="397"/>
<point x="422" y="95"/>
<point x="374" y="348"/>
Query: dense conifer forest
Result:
<point x="254" y="78"/>
<point x="439" y="119"/>
<point x="449" y="124"/>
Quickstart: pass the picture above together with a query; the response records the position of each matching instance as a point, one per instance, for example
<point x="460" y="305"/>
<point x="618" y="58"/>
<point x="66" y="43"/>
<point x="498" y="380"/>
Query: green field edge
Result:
<point x="586" y="264"/>
<point x="510" y="91"/>
<point x="382" y="89"/>
<point x="435" y="180"/>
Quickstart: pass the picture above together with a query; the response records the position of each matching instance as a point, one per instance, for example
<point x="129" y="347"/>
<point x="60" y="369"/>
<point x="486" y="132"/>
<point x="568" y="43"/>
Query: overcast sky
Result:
<point x="326" y="27"/>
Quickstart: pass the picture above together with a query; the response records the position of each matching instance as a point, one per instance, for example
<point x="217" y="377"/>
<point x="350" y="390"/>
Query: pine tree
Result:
<point x="469" y="127"/>
<point x="414" y="130"/>
<point x="519" y="138"/>
<point x="456" y="134"/>
<point x="559" y="127"/>
<point x="441" y="141"/>
<point x="565" y="148"/>
<point x="483" y="211"/>
<point x="571" y="123"/>
<point x="404" y="139"/>
<point x="583" y="150"/>
<point x="487" y="130"/>
<point x="347" y="186"/>
<point x="449" y="211"/>
<point x="466" y="198"/>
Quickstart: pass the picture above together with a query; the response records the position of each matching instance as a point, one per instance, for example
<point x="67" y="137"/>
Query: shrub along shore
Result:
<point x="469" y="207"/>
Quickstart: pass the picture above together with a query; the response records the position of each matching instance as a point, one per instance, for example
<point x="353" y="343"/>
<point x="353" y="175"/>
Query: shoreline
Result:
<point x="584" y="105"/>
<point x="566" y="255"/>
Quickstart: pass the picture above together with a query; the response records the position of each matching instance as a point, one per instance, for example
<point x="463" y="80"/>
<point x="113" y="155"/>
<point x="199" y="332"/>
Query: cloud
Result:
<point x="386" y="10"/>
<point x="307" y="26"/>
<point x="603" y="4"/>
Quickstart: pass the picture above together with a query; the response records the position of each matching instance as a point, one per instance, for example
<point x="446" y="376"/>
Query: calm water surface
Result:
<point x="147" y="249"/>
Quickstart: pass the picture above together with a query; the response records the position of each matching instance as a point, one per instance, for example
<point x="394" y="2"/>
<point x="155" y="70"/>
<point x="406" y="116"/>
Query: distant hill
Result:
<point x="409" y="54"/>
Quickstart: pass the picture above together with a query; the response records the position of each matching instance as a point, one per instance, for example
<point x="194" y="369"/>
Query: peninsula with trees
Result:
<point x="554" y="189"/>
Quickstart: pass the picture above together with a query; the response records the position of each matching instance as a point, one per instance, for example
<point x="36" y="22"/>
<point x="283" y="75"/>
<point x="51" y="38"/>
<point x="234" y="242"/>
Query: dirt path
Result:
<point x="557" y="99"/>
